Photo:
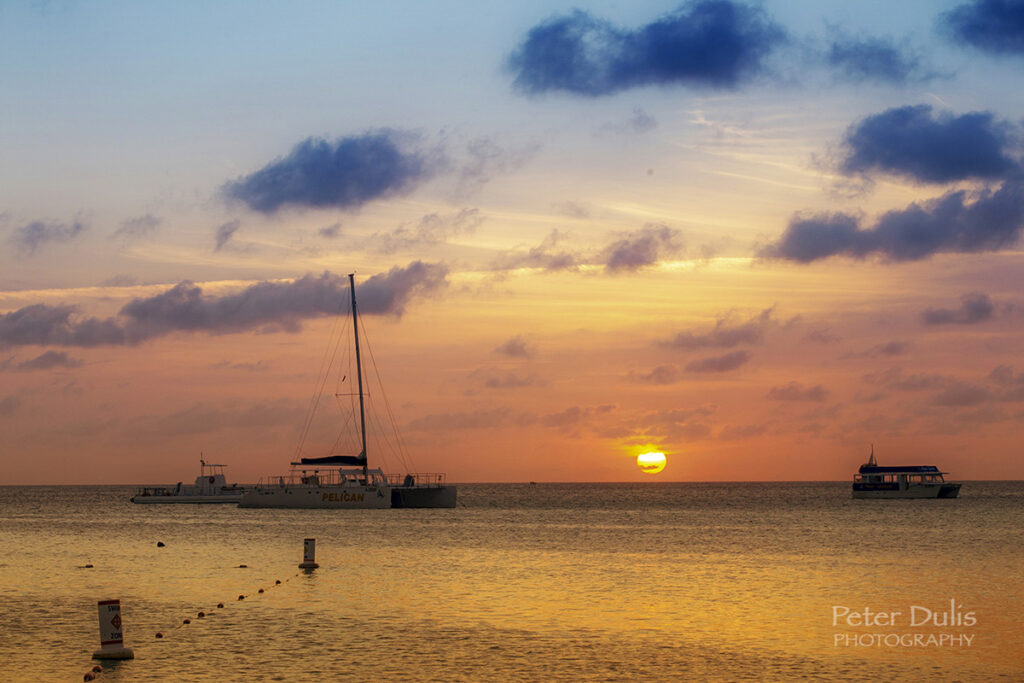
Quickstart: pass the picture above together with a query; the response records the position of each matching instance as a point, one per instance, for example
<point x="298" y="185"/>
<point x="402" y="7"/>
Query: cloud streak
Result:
<point x="703" y="43"/>
<point x="264" y="306"/>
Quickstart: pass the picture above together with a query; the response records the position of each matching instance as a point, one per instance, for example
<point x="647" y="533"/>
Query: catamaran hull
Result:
<point x="922" y="491"/>
<point x="164" y="500"/>
<point x="317" y="498"/>
<point x="423" y="497"/>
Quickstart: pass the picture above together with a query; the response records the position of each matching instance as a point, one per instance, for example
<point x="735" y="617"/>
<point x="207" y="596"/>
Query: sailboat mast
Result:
<point x="359" y="368"/>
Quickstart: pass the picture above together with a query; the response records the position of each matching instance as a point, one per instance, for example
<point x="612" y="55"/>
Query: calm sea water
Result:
<point x="590" y="582"/>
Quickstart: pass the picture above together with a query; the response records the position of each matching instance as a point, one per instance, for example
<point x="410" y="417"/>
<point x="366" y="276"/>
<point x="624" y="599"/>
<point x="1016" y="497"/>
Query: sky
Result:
<point x="761" y="238"/>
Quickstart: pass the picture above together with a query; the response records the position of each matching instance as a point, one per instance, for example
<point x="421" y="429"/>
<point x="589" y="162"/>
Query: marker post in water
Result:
<point x="309" y="554"/>
<point x="111" y="635"/>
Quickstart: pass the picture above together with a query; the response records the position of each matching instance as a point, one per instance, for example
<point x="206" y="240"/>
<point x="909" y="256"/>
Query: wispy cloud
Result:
<point x="627" y="252"/>
<point x="431" y="229"/>
<point x="795" y="391"/>
<point x="30" y="238"/>
<point x="515" y="347"/>
<point x="48" y="360"/>
<point x="726" y="333"/>
<point x="874" y="58"/>
<point x="225" y="233"/>
<point x="137" y="228"/>
<point x="974" y="308"/>
<point x="723" y="363"/>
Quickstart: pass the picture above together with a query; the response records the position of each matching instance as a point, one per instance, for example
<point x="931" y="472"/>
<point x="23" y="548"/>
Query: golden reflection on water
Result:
<point x="592" y="582"/>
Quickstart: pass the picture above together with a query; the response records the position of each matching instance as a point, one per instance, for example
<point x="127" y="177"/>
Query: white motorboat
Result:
<point x="316" y="483"/>
<point x="211" y="487"/>
<point x="901" y="481"/>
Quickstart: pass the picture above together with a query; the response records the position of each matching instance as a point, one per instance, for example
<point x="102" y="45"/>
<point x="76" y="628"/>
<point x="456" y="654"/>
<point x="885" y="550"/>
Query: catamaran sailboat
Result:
<point x="315" y="483"/>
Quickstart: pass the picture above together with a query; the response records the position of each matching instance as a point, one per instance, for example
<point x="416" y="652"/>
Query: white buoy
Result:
<point x="309" y="554"/>
<point x="111" y="633"/>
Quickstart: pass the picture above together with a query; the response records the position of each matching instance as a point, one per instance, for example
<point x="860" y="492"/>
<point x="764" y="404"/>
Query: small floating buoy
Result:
<point x="159" y="635"/>
<point x="220" y="605"/>
<point x="260" y="590"/>
<point x="201" y="615"/>
<point x="96" y="668"/>
<point x="243" y="566"/>
<point x="89" y="676"/>
<point x="278" y="582"/>
<point x="160" y="544"/>
<point x="187" y="621"/>
<point x="241" y="597"/>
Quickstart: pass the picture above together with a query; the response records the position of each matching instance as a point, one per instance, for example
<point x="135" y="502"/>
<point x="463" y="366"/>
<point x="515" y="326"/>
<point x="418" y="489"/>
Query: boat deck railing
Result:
<point x="326" y="477"/>
<point x="421" y="479"/>
<point x="331" y="477"/>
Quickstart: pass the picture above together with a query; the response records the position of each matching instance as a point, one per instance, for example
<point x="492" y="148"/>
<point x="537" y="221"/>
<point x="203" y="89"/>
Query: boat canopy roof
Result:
<point x="333" y="460"/>
<point x="899" y="469"/>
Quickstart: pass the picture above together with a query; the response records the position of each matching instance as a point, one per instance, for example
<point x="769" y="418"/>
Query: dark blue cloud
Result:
<point x="951" y="223"/>
<point x="874" y="59"/>
<point x="709" y="43"/>
<point x="344" y="174"/>
<point x="266" y="306"/>
<point x="911" y="142"/>
<point x="995" y="26"/>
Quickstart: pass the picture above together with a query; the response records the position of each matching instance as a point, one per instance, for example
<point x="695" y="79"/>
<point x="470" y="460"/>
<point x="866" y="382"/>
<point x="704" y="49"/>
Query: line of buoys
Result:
<point x="111" y="638"/>
<point x="92" y="673"/>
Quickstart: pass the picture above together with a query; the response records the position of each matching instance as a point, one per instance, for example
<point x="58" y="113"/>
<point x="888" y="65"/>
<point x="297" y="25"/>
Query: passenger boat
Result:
<point x="211" y="487"/>
<point x="315" y="483"/>
<point x="901" y="481"/>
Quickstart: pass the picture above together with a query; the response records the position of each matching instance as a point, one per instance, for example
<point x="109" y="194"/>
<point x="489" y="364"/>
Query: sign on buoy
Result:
<point x="309" y="554"/>
<point x="111" y="632"/>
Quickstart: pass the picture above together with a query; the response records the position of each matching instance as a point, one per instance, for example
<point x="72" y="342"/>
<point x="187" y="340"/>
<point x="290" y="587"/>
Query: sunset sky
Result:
<point x="756" y="237"/>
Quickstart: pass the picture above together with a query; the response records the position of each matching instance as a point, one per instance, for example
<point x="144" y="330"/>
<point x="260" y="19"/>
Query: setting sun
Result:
<point x="651" y="463"/>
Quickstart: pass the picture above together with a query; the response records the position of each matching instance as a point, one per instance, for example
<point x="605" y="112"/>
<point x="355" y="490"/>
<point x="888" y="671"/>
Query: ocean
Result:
<point x="545" y="582"/>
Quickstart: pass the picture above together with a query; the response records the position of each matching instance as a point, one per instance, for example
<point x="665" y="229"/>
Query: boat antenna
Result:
<point x="871" y="460"/>
<point x="359" y="369"/>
